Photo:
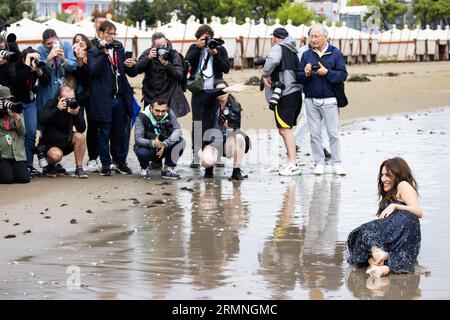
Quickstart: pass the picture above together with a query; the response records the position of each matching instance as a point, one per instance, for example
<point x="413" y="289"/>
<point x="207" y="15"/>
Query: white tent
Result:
<point x="28" y="32"/>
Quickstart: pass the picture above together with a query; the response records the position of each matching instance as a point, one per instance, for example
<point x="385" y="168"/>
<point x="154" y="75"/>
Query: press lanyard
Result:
<point x="114" y="62"/>
<point x="7" y="123"/>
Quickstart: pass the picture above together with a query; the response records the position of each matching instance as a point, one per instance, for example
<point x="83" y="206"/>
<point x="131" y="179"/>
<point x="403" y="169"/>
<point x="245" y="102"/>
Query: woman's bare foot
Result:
<point x="379" y="256"/>
<point x="377" y="271"/>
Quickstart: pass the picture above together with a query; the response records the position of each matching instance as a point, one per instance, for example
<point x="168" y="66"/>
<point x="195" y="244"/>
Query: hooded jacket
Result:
<point x="287" y="77"/>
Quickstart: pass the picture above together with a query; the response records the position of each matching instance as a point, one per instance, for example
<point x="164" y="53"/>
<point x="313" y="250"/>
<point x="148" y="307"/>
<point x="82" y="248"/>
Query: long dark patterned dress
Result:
<point x="398" y="234"/>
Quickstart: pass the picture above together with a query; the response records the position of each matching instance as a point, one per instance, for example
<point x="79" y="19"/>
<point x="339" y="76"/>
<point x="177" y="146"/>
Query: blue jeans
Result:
<point x="30" y="118"/>
<point x="114" y="131"/>
<point x="171" y="154"/>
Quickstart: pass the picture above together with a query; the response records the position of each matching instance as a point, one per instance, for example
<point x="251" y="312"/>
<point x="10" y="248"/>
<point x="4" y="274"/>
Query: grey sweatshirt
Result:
<point x="288" y="77"/>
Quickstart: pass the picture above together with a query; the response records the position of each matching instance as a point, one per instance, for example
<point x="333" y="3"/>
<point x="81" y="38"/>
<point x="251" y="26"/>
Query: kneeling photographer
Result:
<point x="58" y="138"/>
<point x="158" y="136"/>
<point x="13" y="168"/>
<point x="233" y="143"/>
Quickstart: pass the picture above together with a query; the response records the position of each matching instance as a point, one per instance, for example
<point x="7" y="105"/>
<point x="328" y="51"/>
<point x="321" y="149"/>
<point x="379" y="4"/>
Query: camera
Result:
<point x="277" y="88"/>
<point x="315" y="67"/>
<point x="39" y="64"/>
<point x="41" y="152"/>
<point x="162" y="51"/>
<point x="8" y="55"/>
<point x="15" y="107"/>
<point x="113" y="45"/>
<point x="230" y="116"/>
<point x="213" y="43"/>
<point x="165" y="130"/>
<point x="10" y="37"/>
<point x="71" y="103"/>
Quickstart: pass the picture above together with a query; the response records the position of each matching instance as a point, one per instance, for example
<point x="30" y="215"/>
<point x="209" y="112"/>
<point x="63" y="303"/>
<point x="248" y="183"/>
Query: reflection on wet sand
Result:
<point x="306" y="249"/>
<point x="394" y="286"/>
<point x="214" y="239"/>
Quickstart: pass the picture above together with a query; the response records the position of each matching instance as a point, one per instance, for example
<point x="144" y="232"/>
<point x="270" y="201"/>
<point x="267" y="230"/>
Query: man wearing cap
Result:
<point x="13" y="168"/>
<point x="280" y="71"/>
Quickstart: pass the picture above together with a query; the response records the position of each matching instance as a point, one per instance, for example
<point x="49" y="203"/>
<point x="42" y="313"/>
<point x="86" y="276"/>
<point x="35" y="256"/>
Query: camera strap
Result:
<point x="114" y="62"/>
<point x="205" y="64"/>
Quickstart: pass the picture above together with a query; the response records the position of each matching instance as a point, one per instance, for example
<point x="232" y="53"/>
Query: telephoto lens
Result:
<point x="277" y="87"/>
<point x="15" y="107"/>
<point x="39" y="64"/>
<point x="9" y="56"/>
<point x="10" y="37"/>
<point x="71" y="103"/>
<point x="163" y="52"/>
<point x="41" y="153"/>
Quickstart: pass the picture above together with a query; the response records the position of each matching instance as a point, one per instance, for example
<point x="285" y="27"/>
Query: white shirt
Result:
<point x="208" y="72"/>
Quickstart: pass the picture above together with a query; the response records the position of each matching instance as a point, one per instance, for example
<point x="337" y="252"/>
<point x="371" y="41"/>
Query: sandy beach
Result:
<point x="267" y="237"/>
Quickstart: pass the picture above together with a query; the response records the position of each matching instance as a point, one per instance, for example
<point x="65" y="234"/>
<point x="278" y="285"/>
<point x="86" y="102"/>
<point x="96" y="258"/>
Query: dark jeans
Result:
<point x="12" y="171"/>
<point x="171" y="154"/>
<point x="92" y="139"/>
<point x="204" y="116"/>
<point x="30" y="119"/>
<point x="114" y="132"/>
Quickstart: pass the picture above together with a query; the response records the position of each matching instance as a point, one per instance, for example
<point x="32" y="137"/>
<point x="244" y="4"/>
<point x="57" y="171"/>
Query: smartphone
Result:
<point x="128" y="55"/>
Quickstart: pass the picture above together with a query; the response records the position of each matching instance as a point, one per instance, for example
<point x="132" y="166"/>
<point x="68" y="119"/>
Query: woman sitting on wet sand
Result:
<point x="390" y="243"/>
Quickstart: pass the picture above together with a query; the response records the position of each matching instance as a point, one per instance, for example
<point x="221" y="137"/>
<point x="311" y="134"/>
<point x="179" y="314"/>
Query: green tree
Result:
<point x="389" y="9"/>
<point x="11" y="10"/>
<point x="139" y="10"/>
<point x="429" y="11"/>
<point x="297" y="12"/>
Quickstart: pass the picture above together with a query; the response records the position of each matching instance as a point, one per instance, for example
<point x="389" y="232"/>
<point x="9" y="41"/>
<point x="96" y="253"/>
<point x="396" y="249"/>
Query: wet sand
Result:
<point x="268" y="237"/>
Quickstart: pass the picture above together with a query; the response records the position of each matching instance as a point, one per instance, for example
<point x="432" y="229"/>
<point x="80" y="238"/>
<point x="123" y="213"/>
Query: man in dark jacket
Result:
<point x="158" y="136"/>
<point x="163" y="70"/>
<point x="111" y="99"/>
<point x="213" y="62"/>
<point x="321" y="67"/>
<point x="57" y="119"/>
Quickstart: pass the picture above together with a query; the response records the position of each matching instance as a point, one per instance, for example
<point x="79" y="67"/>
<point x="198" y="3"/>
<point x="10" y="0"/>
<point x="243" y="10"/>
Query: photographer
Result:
<point x="163" y="70"/>
<point x="13" y="168"/>
<point x="111" y="98"/>
<point x="59" y="58"/>
<point x="57" y="120"/>
<point x="30" y="71"/>
<point x="8" y="60"/>
<point x="234" y="143"/>
<point x="282" y="92"/>
<point x="158" y="136"/>
<point x="10" y="38"/>
<point x="209" y="58"/>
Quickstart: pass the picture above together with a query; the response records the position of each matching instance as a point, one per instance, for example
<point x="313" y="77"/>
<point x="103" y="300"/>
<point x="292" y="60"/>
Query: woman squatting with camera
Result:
<point x="226" y="137"/>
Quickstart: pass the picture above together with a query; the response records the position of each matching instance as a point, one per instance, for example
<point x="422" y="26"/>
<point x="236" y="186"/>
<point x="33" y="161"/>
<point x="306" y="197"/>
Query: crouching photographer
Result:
<point x="58" y="138"/>
<point x="13" y="168"/>
<point x="233" y="143"/>
<point x="158" y="136"/>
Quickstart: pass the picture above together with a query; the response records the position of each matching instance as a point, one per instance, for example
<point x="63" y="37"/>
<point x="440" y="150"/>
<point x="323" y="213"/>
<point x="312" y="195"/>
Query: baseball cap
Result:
<point x="3" y="23"/>
<point x="280" y="33"/>
<point x="5" y="92"/>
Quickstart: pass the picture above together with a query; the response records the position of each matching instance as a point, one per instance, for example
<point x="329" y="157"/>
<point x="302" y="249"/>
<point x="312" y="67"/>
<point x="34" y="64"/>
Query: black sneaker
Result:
<point x="50" y="171"/>
<point x="106" y="171"/>
<point x="122" y="168"/>
<point x="170" y="173"/>
<point x="60" y="170"/>
<point x="79" y="172"/>
<point x="33" y="171"/>
<point x="209" y="173"/>
<point x="237" y="175"/>
<point x="297" y="149"/>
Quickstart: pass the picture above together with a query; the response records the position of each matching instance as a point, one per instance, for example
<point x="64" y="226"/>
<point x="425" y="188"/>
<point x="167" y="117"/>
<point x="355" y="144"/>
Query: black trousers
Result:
<point x="12" y="171"/>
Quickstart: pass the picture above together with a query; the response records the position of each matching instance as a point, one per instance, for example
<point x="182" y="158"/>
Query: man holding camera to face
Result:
<point x="283" y="93"/>
<point x="158" y="136"/>
<point x="58" y="138"/>
<point x="209" y="58"/>
<point x="111" y="99"/>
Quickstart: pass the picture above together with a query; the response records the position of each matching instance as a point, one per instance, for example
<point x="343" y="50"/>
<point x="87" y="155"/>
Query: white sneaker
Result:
<point x="337" y="169"/>
<point x="92" y="166"/>
<point x="319" y="169"/>
<point x="290" y="170"/>
<point x="145" y="174"/>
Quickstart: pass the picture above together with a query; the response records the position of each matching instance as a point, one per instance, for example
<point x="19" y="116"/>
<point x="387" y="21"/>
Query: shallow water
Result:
<point x="268" y="237"/>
